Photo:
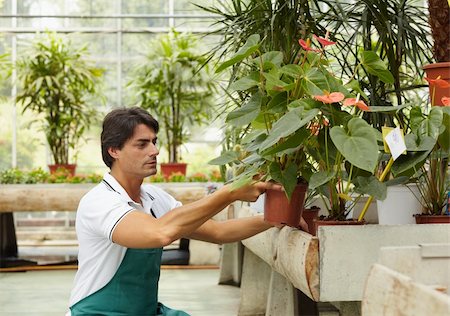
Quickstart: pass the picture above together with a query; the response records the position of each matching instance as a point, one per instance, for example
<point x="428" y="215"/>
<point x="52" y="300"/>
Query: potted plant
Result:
<point x="290" y="111"/>
<point x="439" y="19"/>
<point x="56" y="83"/>
<point x="175" y="85"/>
<point x="428" y="153"/>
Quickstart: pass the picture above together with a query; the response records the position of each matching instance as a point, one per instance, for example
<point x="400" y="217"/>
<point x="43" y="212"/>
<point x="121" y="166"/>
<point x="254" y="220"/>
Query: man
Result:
<point x="122" y="225"/>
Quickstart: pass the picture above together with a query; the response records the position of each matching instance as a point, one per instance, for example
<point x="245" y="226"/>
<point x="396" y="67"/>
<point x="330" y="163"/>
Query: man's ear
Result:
<point x="113" y="152"/>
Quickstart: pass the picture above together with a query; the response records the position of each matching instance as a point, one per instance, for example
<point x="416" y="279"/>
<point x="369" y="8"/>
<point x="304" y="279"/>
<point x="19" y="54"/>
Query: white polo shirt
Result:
<point x="99" y="212"/>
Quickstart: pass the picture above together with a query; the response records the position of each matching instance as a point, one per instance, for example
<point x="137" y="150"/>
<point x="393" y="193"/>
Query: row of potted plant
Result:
<point x="62" y="175"/>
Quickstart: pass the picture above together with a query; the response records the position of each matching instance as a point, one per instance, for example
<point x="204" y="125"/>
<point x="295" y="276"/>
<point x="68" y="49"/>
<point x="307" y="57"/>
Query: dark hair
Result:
<point x="118" y="127"/>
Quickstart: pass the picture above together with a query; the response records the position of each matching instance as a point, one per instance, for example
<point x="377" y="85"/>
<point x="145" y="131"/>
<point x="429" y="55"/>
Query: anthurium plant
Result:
<point x="303" y="123"/>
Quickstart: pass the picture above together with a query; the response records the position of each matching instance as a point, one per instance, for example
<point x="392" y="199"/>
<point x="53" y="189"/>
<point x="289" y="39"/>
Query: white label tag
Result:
<point x="395" y="142"/>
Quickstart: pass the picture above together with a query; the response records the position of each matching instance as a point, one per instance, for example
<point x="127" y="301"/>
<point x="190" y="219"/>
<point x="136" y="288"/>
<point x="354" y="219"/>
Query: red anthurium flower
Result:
<point x="355" y="102"/>
<point x="441" y="83"/>
<point x="306" y="45"/>
<point x="324" y="41"/>
<point x="446" y="101"/>
<point x="330" y="97"/>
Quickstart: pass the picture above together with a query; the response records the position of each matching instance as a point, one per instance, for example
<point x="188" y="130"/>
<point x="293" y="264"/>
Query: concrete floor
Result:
<point x="46" y="293"/>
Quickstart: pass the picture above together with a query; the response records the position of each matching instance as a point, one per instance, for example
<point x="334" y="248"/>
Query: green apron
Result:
<point x="133" y="291"/>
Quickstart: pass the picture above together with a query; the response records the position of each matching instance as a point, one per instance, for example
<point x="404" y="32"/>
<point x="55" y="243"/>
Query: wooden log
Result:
<point x="65" y="197"/>
<point x="291" y="252"/>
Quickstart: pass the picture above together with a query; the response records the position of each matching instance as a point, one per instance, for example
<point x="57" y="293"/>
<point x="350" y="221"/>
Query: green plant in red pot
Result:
<point x="287" y="106"/>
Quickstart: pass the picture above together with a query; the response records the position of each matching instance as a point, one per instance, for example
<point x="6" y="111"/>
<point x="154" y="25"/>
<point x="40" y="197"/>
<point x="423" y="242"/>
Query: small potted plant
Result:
<point x="56" y="83"/>
<point x="174" y="84"/>
<point x="428" y="147"/>
<point x="292" y="109"/>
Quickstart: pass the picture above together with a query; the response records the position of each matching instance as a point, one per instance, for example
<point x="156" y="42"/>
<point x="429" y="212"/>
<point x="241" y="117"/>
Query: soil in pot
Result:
<point x="279" y="210"/>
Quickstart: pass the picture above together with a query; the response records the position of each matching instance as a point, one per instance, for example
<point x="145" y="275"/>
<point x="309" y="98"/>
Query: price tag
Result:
<point x="394" y="141"/>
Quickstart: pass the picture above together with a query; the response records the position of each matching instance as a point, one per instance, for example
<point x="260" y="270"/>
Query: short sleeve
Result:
<point x="99" y="216"/>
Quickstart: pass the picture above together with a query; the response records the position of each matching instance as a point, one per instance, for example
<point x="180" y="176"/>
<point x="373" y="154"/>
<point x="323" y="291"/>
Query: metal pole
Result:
<point x="119" y="54"/>
<point x="14" y="86"/>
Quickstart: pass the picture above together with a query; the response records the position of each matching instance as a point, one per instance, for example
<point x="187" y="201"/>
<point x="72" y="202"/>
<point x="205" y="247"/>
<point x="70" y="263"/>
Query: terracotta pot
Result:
<point x="69" y="167"/>
<point x="434" y="71"/>
<point x="309" y="215"/>
<point x="432" y="219"/>
<point x="279" y="210"/>
<point x="174" y="167"/>
<point x="320" y="222"/>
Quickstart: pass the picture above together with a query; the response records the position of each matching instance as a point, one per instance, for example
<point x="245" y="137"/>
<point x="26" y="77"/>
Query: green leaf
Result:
<point x="245" y="114"/>
<point x="250" y="46"/>
<point x="413" y="143"/>
<point x="292" y="142"/>
<point x="278" y="103"/>
<point x="287" y="177"/>
<point x="288" y="124"/>
<point x="225" y="158"/>
<point x="387" y="109"/>
<point x="270" y="59"/>
<point x="246" y="83"/>
<point x="314" y="82"/>
<point x="410" y="163"/>
<point x="444" y="138"/>
<point x="274" y="83"/>
<point x="292" y="70"/>
<point x="320" y="178"/>
<point x="358" y="144"/>
<point x="375" y="66"/>
<point x="371" y="186"/>
<point x="431" y="125"/>
<point x="354" y="85"/>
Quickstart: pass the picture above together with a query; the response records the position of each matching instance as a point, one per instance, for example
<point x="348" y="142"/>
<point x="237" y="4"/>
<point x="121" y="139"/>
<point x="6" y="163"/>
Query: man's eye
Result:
<point x="155" y="141"/>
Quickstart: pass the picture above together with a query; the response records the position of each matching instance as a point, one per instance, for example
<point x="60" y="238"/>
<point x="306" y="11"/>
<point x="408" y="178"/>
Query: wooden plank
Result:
<point x="65" y="197"/>
<point x="291" y="252"/>
<point x="390" y="293"/>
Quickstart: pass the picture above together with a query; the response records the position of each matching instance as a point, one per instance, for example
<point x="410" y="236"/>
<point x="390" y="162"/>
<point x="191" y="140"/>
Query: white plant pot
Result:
<point x="401" y="204"/>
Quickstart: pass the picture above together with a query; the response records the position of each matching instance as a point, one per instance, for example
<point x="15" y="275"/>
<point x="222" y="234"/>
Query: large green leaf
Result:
<point x="414" y="143"/>
<point x="224" y="158"/>
<point x="245" y="114"/>
<point x="270" y="59"/>
<point x="410" y="163"/>
<point x="320" y="178"/>
<point x="250" y="46"/>
<point x="292" y="70"/>
<point x="278" y="103"/>
<point x="246" y="83"/>
<point x="358" y="144"/>
<point x="371" y="186"/>
<point x="288" y="124"/>
<point x="291" y="142"/>
<point x="287" y="177"/>
<point x="432" y="124"/>
<point x="314" y="82"/>
<point x="375" y="66"/>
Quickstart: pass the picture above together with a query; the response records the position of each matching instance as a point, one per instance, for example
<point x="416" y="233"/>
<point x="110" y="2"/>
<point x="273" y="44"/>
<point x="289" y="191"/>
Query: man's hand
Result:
<point x="251" y="192"/>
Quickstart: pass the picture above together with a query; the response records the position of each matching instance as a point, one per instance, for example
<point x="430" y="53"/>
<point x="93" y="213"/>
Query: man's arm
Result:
<point x="140" y="230"/>
<point x="230" y="230"/>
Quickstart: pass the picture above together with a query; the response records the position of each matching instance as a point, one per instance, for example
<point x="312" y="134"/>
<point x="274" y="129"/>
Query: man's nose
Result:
<point x="154" y="151"/>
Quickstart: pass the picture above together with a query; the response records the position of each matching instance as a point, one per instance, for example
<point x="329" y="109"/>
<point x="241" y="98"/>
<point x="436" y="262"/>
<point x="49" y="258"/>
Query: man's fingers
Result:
<point x="274" y="186"/>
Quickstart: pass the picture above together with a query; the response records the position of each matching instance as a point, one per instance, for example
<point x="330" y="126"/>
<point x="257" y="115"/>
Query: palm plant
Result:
<point x="396" y="30"/>
<point x="56" y="82"/>
<point x="176" y="88"/>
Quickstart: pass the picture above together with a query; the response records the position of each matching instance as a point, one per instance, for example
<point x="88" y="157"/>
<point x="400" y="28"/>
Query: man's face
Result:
<point x="138" y="155"/>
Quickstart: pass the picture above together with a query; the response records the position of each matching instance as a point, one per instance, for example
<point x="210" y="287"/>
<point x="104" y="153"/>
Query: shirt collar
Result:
<point x="113" y="184"/>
